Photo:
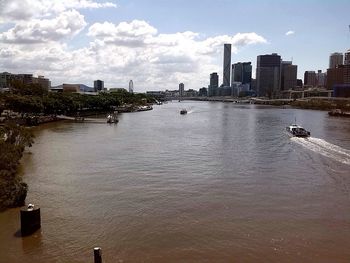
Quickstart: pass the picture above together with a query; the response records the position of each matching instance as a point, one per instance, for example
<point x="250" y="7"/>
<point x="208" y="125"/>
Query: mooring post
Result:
<point x="30" y="219"/>
<point x="97" y="255"/>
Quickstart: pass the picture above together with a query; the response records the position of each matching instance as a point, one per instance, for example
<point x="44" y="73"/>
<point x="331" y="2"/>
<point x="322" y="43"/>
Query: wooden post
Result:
<point x="97" y="255"/>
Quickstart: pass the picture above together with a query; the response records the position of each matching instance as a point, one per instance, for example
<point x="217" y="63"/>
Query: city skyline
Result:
<point x="115" y="41"/>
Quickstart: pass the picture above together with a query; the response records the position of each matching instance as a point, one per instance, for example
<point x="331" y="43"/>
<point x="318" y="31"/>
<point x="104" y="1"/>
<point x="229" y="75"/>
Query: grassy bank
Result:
<point x="322" y="104"/>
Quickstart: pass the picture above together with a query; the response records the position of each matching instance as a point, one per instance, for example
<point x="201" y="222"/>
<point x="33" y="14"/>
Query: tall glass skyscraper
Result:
<point x="242" y="72"/>
<point x="227" y="65"/>
<point x="268" y="75"/>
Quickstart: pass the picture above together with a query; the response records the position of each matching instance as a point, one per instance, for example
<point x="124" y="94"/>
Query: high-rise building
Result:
<point x="347" y="57"/>
<point x="242" y="72"/>
<point x="131" y="86"/>
<point x="227" y="65"/>
<point x="299" y="83"/>
<point x="335" y="59"/>
<point x="321" y="78"/>
<point x="98" y="85"/>
<point x="338" y="76"/>
<point x="310" y="78"/>
<point x="214" y="84"/>
<point x="181" y="89"/>
<point x="268" y="75"/>
<point x="288" y="75"/>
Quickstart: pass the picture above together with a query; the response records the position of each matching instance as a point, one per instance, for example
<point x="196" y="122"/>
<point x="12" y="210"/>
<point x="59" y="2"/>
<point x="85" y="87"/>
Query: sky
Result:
<point x="160" y="43"/>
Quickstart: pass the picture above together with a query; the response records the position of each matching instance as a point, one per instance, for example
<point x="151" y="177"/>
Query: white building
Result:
<point x="131" y="86"/>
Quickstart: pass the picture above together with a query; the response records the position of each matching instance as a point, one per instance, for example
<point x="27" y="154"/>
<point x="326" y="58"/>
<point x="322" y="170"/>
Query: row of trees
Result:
<point x="13" y="140"/>
<point x="33" y="98"/>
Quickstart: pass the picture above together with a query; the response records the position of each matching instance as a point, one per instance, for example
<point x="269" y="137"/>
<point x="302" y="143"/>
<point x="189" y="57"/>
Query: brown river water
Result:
<point x="224" y="183"/>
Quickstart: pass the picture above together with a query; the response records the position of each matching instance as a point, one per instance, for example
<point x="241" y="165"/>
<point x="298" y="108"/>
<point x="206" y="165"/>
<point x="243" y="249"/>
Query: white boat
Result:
<point x="112" y="118"/>
<point x="297" y="131"/>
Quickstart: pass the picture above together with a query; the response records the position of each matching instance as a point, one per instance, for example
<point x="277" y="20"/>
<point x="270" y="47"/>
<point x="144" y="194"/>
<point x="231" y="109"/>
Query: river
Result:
<point x="224" y="183"/>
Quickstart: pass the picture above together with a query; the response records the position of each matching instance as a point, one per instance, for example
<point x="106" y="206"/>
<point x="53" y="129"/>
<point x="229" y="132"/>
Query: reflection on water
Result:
<point x="222" y="183"/>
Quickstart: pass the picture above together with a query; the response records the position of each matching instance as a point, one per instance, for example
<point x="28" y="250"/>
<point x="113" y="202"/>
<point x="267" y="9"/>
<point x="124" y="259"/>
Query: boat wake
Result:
<point x="324" y="148"/>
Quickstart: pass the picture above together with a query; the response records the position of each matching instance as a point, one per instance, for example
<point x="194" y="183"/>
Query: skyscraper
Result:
<point x="227" y="65"/>
<point x="335" y="59"/>
<point x="288" y="75"/>
<point x="321" y="78"/>
<point x="310" y="78"/>
<point x="347" y="58"/>
<point x="214" y="84"/>
<point x="268" y="75"/>
<point x="242" y="72"/>
<point x="131" y="86"/>
<point x="181" y="89"/>
<point x="98" y="85"/>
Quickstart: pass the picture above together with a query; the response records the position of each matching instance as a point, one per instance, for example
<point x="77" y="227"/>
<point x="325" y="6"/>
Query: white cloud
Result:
<point x="22" y="10"/>
<point x="290" y="32"/>
<point x="116" y="52"/>
<point x="67" y="24"/>
<point x="129" y="34"/>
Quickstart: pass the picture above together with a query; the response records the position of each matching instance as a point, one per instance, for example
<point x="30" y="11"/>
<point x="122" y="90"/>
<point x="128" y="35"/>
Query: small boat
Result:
<point x="183" y="111"/>
<point x="112" y="118"/>
<point x="297" y="131"/>
<point x="339" y="113"/>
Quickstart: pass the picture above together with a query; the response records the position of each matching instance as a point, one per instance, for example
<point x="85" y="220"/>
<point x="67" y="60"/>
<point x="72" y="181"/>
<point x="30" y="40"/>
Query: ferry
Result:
<point x="297" y="131"/>
<point x="183" y="111"/>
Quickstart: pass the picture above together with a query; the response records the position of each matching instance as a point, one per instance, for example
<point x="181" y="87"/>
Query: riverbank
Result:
<point x="14" y="139"/>
<point x="314" y="103"/>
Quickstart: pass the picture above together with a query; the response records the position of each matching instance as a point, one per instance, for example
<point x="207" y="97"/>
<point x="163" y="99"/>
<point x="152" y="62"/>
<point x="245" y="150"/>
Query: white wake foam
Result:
<point x="324" y="148"/>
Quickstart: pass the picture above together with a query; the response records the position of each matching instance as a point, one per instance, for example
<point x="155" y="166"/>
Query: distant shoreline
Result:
<point x="314" y="103"/>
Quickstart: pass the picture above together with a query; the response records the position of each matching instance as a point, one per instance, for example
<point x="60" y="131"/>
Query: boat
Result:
<point x="183" y="111"/>
<point x="338" y="113"/>
<point x="113" y="117"/>
<point x="297" y="131"/>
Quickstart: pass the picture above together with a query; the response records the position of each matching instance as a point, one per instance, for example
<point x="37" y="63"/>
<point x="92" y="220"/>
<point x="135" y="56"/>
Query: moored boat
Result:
<point x="339" y="113"/>
<point x="297" y="131"/>
<point x="112" y="118"/>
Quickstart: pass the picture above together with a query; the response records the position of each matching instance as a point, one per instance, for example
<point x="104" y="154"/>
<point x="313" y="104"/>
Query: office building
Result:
<point x="335" y="59"/>
<point x="131" y="86"/>
<point x="288" y="75"/>
<point x="347" y="57"/>
<point x="242" y="72"/>
<point x="321" y="78"/>
<point x="338" y="76"/>
<point x="214" y="84"/>
<point x="310" y="78"/>
<point x="43" y="82"/>
<point x="268" y="75"/>
<point x="7" y="78"/>
<point x="227" y="65"/>
<point x="181" y="89"/>
<point x="98" y="85"/>
<point x="299" y="83"/>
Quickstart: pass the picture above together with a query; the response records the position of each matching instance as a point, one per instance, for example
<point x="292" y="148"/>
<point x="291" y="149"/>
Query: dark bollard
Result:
<point x="97" y="255"/>
<point x="30" y="219"/>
